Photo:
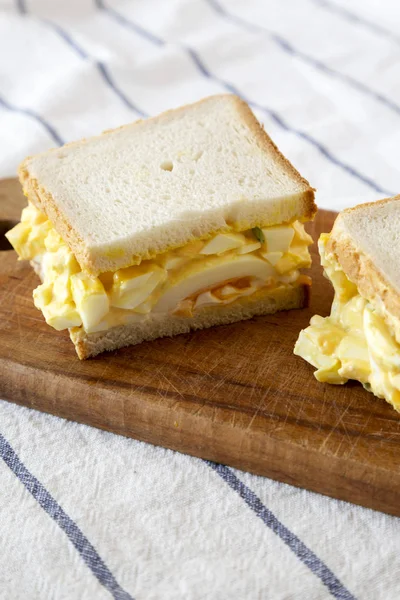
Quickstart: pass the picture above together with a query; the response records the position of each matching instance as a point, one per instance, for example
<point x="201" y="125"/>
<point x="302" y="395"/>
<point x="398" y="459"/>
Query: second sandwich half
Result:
<point x="183" y="221"/>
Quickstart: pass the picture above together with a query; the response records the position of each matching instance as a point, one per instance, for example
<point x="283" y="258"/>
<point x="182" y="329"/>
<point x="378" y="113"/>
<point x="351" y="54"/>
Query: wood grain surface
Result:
<point x="234" y="394"/>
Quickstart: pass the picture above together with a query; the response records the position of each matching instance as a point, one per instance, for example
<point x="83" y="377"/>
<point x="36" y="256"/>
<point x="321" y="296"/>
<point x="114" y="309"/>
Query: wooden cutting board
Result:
<point x="234" y="394"/>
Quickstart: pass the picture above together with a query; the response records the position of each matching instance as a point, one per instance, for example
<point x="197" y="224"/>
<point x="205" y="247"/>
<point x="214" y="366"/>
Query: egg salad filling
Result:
<point x="201" y="274"/>
<point x="357" y="341"/>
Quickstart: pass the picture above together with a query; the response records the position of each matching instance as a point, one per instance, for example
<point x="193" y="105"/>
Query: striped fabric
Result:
<point x="85" y="514"/>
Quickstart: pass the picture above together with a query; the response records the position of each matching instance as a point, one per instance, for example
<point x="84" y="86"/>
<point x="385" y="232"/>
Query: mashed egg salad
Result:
<point x="359" y="340"/>
<point x="205" y="273"/>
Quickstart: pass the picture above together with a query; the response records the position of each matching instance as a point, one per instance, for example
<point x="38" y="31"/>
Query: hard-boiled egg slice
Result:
<point x="223" y="242"/>
<point x="207" y="276"/>
<point x="279" y="238"/>
<point x="145" y="307"/>
<point x="133" y="298"/>
<point x="206" y="299"/>
<point x="90" y="298"/>
<point x="227" y="290"/>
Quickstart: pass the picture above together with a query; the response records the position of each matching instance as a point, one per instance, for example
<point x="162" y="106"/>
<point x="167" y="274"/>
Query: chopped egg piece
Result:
<point x="90" y="298"/>
<point x="223" y="242"/>
<point x="62" y="316"/>
<point x="18" y="237"/>
<point x="61" y="288"/>
<point x="42" y="295"/>
<point x="379" y="338"/>
<point x="296" y="258"/>
<point x="28" y="240"/>
<point x="53" y="241"/>
<point x="247" y="248"/>
<point x="30" y="214"/>
<point x="134" y="285"/>
<point x="353" y="355"/>
<point x="174" y="262"/>
<point x="272" y="257"/>
<point x="300" y="234"/>
<point x="58" y="262"/>
<point x="278" y="238"/>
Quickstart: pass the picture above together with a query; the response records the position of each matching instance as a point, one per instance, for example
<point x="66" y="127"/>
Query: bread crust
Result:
<point x="266" y="142"/>
<point x="45" y="201"/>
<point x="362" y="207"/>
<point x="261" y="303"/>
<point x="359" y="267"/>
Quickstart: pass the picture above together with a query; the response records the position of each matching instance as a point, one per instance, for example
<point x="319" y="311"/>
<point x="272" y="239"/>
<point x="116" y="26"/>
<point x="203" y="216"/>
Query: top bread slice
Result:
<point x="159" y="183"/>
<point x="366" y="242"/>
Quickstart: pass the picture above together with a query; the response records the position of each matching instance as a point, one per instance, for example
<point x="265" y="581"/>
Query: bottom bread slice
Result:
<point x="260" y="303"/>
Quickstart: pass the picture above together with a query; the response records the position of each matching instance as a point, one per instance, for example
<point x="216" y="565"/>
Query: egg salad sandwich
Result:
<point x="361" y="338"/>
<point x="183" y="221"/>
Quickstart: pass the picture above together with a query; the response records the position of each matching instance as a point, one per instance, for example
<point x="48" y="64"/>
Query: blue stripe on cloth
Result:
<point x="129" y="24"/>
<point x="287" y="47"/>
<point x="357" y="19"/>
<point x="30" y="113"/>
<point x="107" y="77"/>
<point x="272" y="114"/>
<point x="87" y="552"/>
<point x="307" y="556"/>
<point x="101" y="67"/>
<point x="323" y="150"/>
<point x="21" y="6"/>
<point x="67" y="38"/>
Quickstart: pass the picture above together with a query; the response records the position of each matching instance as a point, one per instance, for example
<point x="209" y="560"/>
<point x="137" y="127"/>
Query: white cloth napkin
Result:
<point x="86" y="514"/>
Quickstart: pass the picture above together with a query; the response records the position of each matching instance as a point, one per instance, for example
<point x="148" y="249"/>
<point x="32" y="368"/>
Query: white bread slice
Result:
<point x="366" y="242"/>
<point x="159" y="183"/>
<point x="260" y="303"/>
